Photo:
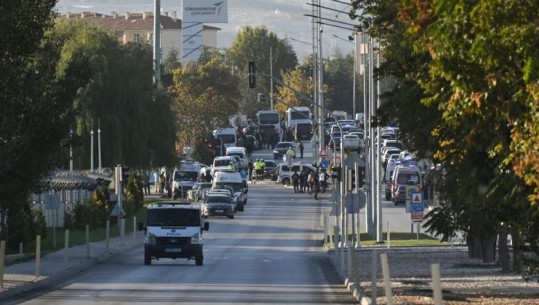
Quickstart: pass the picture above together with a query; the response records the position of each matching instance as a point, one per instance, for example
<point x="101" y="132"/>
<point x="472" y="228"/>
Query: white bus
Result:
<point x="268" y="120"/>
<point x="299" y="114"/>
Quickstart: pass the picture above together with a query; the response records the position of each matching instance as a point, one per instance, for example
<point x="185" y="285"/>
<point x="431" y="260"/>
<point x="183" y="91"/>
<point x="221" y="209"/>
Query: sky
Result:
<point x="285" y="18"/>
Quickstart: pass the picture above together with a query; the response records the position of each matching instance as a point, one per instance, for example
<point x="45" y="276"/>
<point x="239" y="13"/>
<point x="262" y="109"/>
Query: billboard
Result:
<point x="205" y="11"/>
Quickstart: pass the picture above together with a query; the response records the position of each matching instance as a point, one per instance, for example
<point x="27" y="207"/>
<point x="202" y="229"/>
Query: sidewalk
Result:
<point x="21" y="277"/>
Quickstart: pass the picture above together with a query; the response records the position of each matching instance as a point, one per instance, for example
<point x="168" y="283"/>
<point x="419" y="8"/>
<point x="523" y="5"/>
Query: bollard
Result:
<point x="107" y="235"/>
<point x="87" y="241"/>
<point x="134" y="227"/>
<point x="325" y="230"/>
<point x="349" y="256"/>
<point x="374" y="275"/>
<point x="38" y="256"/>
<point x="2" y="260"/>
<point x="66" y="246"/>
<point x="436" y="284"/>
<point x="21" y="249"/>
<point x="387" y="280"/>
<point x="388" y="236"/>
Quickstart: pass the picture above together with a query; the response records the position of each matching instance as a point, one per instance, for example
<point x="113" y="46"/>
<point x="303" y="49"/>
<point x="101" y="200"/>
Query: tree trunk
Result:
<point x="503" y="258"/>
<point x="483" y="249"/>
<point x="517" y="250"/>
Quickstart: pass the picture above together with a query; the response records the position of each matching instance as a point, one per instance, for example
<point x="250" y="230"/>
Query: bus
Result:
<point x="266" y="119"/>
<point x="299" y="114"/>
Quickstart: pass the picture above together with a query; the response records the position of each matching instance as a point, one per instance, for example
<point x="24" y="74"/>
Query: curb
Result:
<point x="48" y="280"/>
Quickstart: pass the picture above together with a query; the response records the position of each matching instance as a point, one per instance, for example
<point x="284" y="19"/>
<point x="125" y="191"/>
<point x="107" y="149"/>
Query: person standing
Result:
<point x="162" y="181"/>
<point x="295" y="181"/>
<point x="250" y="169"/>
<point x="302" y="181"/>
<point x="316" y="185"/>
<point x="322" y="179"/>
<point x="147" y="183"/>
<point x="301" y="149"/>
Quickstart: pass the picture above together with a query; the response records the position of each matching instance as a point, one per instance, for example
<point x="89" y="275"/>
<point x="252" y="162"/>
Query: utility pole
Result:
<point x="157" y="43"/>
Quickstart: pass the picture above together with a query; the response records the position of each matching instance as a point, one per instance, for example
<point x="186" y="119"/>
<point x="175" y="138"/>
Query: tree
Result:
<point x="136" y="123"/>
<point x="204" y="96"/>
<point x="473" y="71"/>
<point x="36" y="103"/>
<point x="254" y="44"/>
<point x="300" y="83"/>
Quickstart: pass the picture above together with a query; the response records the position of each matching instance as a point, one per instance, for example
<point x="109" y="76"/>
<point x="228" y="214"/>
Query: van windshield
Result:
<point x="410" y="179"/>
<point x="236" y="186"/>
<point x="223" y="162"/>
<point x="227" y="138"/>
<point x="185" y="176"/>
<point x="173" y="217"/>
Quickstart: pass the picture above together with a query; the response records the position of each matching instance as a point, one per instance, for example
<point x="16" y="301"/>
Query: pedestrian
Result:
<point x="310" y="181"/>
<point x="250" y="168"/>
<point x="322" y="179"/>
<point x="162" y="181"/>
<point x="295" y="181"/>
<point x="302" y="181"/>
<point x="316" y="186"/>
<point x="301" y="149"/>
<point x="147" y="183"/>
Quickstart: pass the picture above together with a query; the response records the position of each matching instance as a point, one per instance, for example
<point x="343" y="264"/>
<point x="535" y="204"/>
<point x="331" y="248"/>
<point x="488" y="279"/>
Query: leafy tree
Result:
<point x="204" y="96"/>
<point x="300" y="83"/>
<point x="254" y="44"/>
<point x="471" y="69"/>
<point x="339" y="79"/>
<point x="136" y="123"/>
<point x="36" y="102"/>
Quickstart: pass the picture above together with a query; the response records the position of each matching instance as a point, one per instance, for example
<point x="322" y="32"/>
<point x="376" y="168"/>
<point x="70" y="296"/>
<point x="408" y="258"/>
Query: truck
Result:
<point x="173" y="230"/>
<point x="299" y="114"/>
<point x="185" y="175"/>
<point x="268" y="121"/>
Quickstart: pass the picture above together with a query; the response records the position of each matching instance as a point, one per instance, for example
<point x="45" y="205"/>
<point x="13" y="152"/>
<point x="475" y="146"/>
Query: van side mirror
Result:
<point x="206" y="226"/>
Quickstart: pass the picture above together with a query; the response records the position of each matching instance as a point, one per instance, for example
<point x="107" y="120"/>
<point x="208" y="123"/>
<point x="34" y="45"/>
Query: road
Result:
<point x="269" y="254"/>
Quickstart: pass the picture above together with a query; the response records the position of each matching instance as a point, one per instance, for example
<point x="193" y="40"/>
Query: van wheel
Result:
<point x="199" y="260"/>
<point x="286" y="181"/>
<point x="240" y="209"/>
<point x="231" y="216"/>
<point x="147" y="259"/>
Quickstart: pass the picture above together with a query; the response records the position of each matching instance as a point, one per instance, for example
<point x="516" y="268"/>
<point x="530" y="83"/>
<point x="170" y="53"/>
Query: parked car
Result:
<point x="195" y="194"/>
<point x="269" y="167"/>
<point x="285" y="172"/>
<point x="281" y="148"/>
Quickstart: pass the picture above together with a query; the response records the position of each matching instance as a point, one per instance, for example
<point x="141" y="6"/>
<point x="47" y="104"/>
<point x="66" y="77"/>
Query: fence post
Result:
<point x="107" y="235"/>
<point x="38" y="256"/>
<point x="87" y="241"/>
<point x="436" y="284"/>
<point x="2" y="260"/>
<point x="66" y="246"/>
<point x="21" y="248"/>
<point x="134" y="227"/>
<point x="387" y="280"/>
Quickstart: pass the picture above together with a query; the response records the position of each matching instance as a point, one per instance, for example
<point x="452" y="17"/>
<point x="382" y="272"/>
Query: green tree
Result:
<point x="204" y="95"/>
<point x="136" y="123"/>
<point x="300" y="83"/>
<point x="36" y="103"/>
<point x="254" y="44"/>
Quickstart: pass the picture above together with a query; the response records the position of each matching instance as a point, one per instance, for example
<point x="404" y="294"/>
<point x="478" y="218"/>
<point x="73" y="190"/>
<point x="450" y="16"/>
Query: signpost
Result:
<point x="416" y="208"/>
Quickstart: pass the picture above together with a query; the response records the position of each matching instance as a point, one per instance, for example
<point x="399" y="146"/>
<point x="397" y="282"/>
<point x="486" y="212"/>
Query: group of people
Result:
<point x="310" y="181"/>
<point x="256" y="169"/>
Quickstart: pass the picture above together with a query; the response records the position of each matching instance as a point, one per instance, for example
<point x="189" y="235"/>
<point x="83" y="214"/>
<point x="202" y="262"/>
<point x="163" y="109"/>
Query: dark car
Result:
<point x="218" y="205"/>
<point x="269" y="167"/>
<point x="281" y="148"/>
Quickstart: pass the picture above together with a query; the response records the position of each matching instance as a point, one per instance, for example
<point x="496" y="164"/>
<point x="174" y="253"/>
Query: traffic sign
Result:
<point x="417" y="216"/>
<point x="417" y="197"/>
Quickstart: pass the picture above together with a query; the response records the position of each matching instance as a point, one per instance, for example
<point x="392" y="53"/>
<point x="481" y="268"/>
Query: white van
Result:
<point x="233" y="179"/>
<point x="240" y="152"/>
<point x="173" y="230"/>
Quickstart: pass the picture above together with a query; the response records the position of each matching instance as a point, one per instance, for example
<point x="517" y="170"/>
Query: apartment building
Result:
<point x="138" y="27"/>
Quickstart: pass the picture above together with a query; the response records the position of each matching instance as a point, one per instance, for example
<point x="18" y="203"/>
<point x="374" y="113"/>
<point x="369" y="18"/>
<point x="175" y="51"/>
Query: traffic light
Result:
<point x="252" y="75"/>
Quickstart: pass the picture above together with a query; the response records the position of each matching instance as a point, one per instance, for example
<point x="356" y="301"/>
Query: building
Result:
<point x="138" y="27"/>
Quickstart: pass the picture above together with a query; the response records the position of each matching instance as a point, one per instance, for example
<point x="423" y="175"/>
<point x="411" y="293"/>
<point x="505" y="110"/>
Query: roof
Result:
<point x="128" y="21"/>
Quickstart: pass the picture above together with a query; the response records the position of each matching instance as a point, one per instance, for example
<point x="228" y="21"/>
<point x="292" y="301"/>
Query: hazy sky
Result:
<point x="285" y="18"/>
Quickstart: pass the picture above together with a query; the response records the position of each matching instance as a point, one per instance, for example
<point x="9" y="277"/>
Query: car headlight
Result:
<point x="196" y="239"/>
<point x="150" y="239"/>
<point x="275" y="152"/>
